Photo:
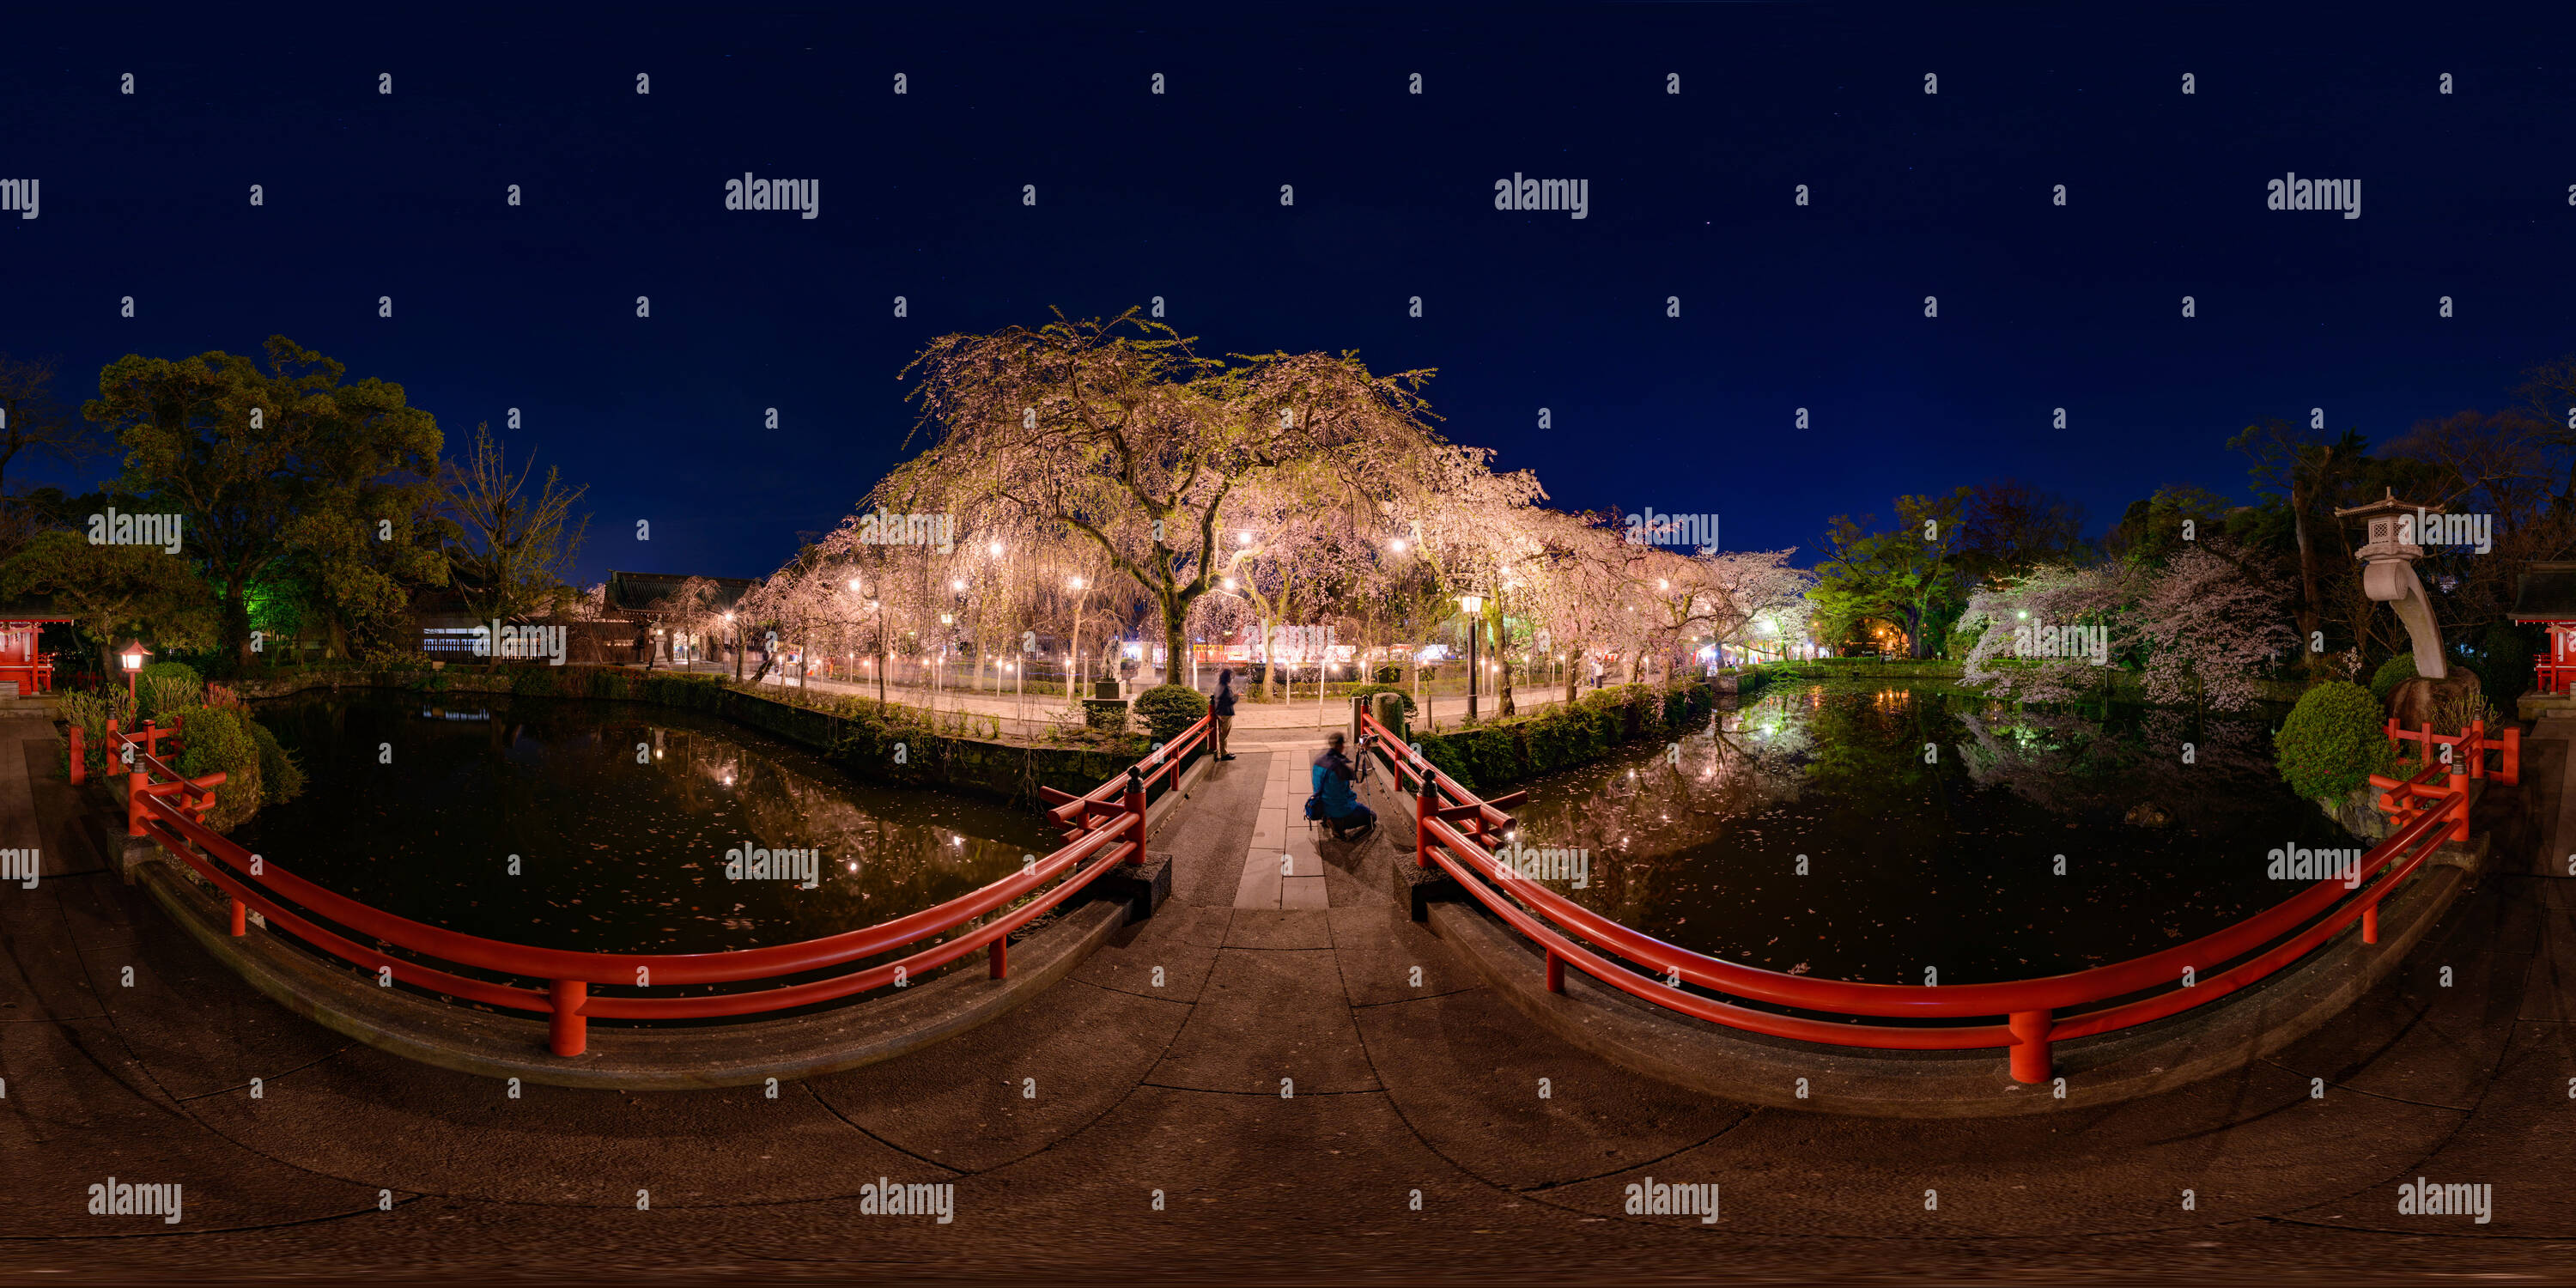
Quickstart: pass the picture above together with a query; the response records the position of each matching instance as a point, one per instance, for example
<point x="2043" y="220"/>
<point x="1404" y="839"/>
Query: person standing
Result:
<point x="1223" y="710"/>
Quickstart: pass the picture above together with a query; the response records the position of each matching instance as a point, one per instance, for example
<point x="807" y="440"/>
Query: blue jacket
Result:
<point x="1331" y="776"/>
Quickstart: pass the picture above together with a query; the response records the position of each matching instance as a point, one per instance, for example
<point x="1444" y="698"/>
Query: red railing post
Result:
<point x="2370" y="922"/>
<point x="2460" y="803"/>
<point x="566" y="1031"/>
<point x="76" y="755"/>
<point x="2030" y="1054"/>
<point x="1422" y="811"/>
<point x="997" y="956"/>
<point x="135" y="782"/>
<point x="1135" y="810"/>
<point x="1555" y="972"/>
<point x="241" y="922"/>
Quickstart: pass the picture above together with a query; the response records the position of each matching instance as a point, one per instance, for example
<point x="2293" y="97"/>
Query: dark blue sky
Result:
<point x="1177" y="195"/>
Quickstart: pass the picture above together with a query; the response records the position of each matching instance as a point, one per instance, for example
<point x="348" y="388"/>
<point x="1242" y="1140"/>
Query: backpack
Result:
<point x="1314" y="809"/>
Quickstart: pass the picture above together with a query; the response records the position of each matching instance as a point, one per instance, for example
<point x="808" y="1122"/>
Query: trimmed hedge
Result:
<point x="1487" y="757"/>
<point x="2333" y="741"/>
<point x="1168" y="710"/>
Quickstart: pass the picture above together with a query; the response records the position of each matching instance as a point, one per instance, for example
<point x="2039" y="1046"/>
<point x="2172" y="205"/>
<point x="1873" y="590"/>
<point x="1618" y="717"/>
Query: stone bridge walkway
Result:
<point x="1289" y="1079"/>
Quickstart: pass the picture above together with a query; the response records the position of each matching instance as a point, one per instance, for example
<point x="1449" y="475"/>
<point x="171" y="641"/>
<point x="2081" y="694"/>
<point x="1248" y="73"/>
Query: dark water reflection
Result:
<point x="1949" y="864"/>
<point x="615" y="855"/>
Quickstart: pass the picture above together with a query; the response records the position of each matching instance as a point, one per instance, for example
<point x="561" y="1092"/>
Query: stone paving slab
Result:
<point x="1265" y="1016"/>
<point x="80" y="1112"/>
<point x="42" y="976"/>
<point x="1467" y="1076"/>
<point x="1128" y="963"/>
<point x="375" y="1119"/>
<point x="2105" y="1171"/>
<point x="1380" y="949"/>
<point x="1287" y="928"/>
<point x="1021" y="1084"/>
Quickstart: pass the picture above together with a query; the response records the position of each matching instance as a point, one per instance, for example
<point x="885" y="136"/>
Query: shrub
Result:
<point x="1168" y="709"/>
<point x="281" y="779"/>
<point x="220" y="741"/>
<point x="1390" y="674"/>
<point x="174" y="690"/>
<point x="2391" y="673"/>
<point x="1446" y="756"/>
<point x="90" y="712"/>
<point x="1558" y="739"/>
<point x="2333" y="741"/>
<point x="178" y="670"/>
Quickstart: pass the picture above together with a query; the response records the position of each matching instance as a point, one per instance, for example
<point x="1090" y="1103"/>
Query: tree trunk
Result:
<point x="2310" y="605"/>
<point x="236" y="623"/>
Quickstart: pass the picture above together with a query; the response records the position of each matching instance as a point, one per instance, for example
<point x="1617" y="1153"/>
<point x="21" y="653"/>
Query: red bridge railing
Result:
<point x="1455" y="831"/>
<point x="1102" y="833"/>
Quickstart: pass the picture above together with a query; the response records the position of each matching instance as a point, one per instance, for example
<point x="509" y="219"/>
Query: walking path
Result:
<point x="1030" y="715"/>
<point x="1238" y="1092"/>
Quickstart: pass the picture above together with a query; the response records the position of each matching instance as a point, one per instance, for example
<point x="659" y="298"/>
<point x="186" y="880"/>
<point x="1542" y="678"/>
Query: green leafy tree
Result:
<point x="263" y="462"/>
<point x="113" y="592"/>
<point x="1910" y="575"/>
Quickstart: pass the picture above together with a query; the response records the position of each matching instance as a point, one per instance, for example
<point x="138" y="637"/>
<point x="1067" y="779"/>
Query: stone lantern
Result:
<point x="2388" y="576"/>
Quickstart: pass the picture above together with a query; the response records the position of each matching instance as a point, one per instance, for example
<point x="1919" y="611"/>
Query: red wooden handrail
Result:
<point x="2030" y="1006"/>
<point x="255" y="883"/>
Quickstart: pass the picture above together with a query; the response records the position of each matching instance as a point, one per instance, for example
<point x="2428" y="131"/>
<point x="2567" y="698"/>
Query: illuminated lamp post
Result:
<point x="1475" y="606"/>
<point x="131" y="658"/>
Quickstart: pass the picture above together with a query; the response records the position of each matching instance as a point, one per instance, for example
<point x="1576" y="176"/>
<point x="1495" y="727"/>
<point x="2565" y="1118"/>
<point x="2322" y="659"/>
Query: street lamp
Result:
<point x="131" y="657"/>
<point x="1475" y="606"/>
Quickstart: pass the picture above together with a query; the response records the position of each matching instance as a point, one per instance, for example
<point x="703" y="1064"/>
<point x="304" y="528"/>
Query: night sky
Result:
<point x="1178" y="195"/>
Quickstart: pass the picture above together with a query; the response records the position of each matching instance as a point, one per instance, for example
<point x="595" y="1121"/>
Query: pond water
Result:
<point x="1931" y="826"/>
<point x="617" y="850"/>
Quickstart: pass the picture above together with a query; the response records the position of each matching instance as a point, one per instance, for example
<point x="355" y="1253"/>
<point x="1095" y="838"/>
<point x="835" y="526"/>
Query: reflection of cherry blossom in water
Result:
<point x="1946" y="862"/>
